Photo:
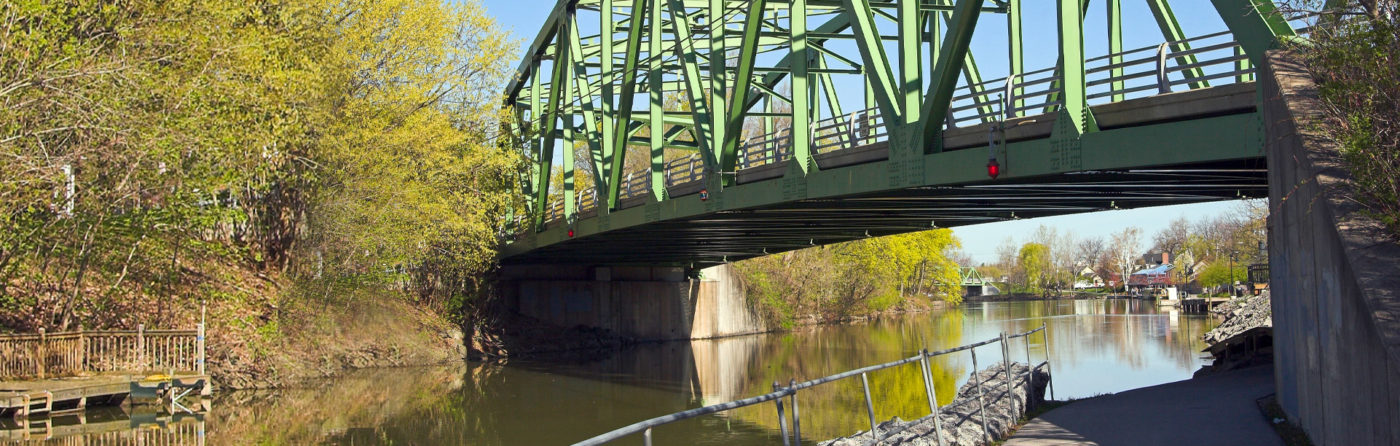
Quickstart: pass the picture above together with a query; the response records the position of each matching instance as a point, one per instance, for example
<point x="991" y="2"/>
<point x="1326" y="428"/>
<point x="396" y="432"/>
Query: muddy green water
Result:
<point x="1096" y="346"/>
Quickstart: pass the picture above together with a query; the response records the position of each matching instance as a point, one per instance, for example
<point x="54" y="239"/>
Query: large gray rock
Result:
<point x="1242" y="315"/>
<point x="961" y="420"/>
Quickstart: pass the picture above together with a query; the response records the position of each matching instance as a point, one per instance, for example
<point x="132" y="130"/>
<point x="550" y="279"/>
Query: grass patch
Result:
<point x="1292" y="434"/>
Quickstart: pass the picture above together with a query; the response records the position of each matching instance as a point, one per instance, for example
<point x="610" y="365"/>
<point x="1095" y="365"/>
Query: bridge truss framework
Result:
<point x="1137" y="127"/>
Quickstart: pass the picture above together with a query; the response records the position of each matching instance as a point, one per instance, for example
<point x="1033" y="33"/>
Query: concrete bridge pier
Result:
<point x="641" y="302"/>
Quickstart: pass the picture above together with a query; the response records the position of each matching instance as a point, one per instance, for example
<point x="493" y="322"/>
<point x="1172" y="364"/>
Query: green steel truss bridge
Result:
<point x="718" y="81"/>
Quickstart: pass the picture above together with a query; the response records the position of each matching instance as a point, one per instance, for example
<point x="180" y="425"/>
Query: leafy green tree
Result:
<point x="1035" y="264"/>
<point x="852" y="278"/>
<point x="1220" y="274"/>
<point x="206" y="142"/>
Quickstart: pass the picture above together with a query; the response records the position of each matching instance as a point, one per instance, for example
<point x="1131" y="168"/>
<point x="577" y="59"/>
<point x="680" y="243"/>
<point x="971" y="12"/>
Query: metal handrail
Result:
<point x="779" y="392"/>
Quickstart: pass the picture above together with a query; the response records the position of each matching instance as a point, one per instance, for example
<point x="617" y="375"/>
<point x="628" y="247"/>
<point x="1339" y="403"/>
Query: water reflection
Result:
<point x="106" y="426"/>
<point x="1096" y="346"/>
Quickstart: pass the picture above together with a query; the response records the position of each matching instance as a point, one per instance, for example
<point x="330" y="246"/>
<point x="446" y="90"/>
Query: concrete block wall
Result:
<point x="646" y="303"/>
<point x="1335" y="277"/>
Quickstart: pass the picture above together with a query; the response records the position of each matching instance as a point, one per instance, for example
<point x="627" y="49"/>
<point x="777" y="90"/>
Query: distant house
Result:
<point x="1156" y="259"/>
<point x="1087" y="278"/>
<point x="1154" y="277"/>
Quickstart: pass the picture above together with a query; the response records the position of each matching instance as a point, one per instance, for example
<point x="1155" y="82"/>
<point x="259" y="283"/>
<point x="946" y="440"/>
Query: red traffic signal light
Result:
<point x="571" y="232"/>
<point x="993" y="169"/>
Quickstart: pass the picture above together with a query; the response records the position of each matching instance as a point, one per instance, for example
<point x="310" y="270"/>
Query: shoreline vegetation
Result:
<point x="903" y="272"/>
<point x="326" y="176"/>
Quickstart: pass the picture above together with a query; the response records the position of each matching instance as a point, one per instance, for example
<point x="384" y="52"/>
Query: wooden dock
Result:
<point x="50" y="397"/>
<point x="1202" y="304"/>
<point x="111" y="426"/>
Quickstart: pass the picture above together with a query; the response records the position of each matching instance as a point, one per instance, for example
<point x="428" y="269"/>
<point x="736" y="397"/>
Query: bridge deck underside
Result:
<point x="1172" y="149"/>
<point x="747" y="233"/>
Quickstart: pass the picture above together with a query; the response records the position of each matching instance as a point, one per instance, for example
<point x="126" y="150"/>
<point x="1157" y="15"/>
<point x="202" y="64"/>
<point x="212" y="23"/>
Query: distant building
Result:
<point x="1154" y="277"/>
<point x="1087" y="278"/>
<point x="1156" y="259"/>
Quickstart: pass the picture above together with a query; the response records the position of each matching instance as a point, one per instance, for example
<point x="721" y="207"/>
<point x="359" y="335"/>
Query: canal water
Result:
<point x="1095" y="346"/>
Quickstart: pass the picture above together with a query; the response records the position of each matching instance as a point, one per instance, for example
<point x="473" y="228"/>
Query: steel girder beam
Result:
<point x="1075" y="118"/>
<point x="657" y="107"/>
<point x="1256" y="24"/>
<point x="593" y="135"/>
<point x="546" y="149"/>
<point x="1171" y="32"/>
<point x="607" y="120"/>
<point x="1015" y="58"/>
<point x="743" y="80"/>
<point x="629" y="89"/>
<point x="950" y="58"/>
<point x="801" y="131"/>
<point x="880" y="82"/>
<point x="1115" y="45"/>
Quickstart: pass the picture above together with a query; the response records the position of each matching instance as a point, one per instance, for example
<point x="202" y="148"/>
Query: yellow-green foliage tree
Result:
<point x="1221" y="274"/>
<point x="857" y="277"/>
<point x="205" y="142"/>
<point x="1035" y="265"/>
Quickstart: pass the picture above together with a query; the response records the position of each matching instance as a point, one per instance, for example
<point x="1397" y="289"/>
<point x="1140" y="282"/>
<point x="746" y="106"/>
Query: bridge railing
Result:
<point x="1131" y="74"/>
<point x="685" y="170"/>
<point x="790" y="393"/>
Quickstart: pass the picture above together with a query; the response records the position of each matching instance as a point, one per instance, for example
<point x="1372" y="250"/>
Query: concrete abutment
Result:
<point x="1336" y="294"/>
<point x="643" y="303"/>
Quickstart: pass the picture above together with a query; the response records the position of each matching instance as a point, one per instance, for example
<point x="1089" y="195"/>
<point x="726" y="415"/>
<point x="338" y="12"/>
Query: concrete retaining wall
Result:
<point x="646" y="303"/>
<point x="1334" y="278"/>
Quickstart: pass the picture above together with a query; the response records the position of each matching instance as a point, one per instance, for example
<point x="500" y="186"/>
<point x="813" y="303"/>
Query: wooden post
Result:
<point x="42" y="349"/>
<point x="199" y="341"/>
<point x="140" y="347"/>
<point x="82" y="351"/>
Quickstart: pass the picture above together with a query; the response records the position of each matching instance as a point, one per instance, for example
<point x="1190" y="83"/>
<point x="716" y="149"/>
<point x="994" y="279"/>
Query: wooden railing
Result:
<point x="120" y="432"/>
<point x="45" y="355"/>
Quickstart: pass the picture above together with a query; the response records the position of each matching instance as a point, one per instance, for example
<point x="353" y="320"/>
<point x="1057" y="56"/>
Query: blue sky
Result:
<point x="1197" y="17"/>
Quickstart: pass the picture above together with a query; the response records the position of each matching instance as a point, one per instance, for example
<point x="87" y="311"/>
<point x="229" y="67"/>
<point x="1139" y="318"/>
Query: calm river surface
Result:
<point x="1096" y="346"/>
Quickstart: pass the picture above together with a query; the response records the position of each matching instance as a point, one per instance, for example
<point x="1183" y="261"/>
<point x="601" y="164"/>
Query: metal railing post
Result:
<point x="1008" y="105"/>
<point x="1030" y="370"/>
<point x="851" y="129"/>
<point x="1006" y="365"/>
<point x="796" y="419"/>
<point x="869" y="407"/>
<point x="1164" y="85"/>
<point x="646" y="437"/>
<point x="932" y="394"/>
<point x="928" y="387"/>
<point x="782" y="420"/>
<point x="1049" y="376"/>
<point x="981" y="403"/>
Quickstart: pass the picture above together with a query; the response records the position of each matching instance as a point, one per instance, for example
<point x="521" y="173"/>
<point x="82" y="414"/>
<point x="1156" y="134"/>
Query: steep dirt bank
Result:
<point x="256" y="344"/>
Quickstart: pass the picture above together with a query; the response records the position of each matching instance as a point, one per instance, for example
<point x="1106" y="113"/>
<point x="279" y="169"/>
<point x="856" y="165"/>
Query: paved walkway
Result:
<point x="1213" y="410"/>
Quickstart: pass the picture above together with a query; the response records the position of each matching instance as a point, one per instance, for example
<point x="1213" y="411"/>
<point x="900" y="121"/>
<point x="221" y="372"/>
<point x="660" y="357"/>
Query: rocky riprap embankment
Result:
<point x="1241" y="315"/>
<point x="1232" y="344"/>
<point x="961" y="421"/>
